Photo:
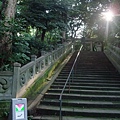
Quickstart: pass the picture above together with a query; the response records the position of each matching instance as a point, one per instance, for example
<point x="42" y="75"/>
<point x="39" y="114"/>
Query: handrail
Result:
<point x="60" y="98"/>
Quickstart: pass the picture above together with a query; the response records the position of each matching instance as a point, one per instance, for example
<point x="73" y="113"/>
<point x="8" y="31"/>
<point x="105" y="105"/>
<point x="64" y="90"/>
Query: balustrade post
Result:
<point x="33" y="58"/>
<point x="58" y="53"/>
<point x="43" y="63"/>
<point x="49" y="59"/>
<point x="43" y="53"/>
<point x="91" y="46"/>
<point x="72" y="48"/>
<point x="53" y="56"/>
<point x="62" y="50"/>
<point x="16" y="79"/>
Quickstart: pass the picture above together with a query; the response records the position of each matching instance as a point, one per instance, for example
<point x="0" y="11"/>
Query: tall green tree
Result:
<point x="7" y="14"/>
<point x="45" y="15"/>
<point x="40" y="23"/>
<point x="85" y="12"/>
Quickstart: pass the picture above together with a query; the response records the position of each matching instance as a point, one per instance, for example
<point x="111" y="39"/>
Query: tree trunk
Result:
<point x="8" y="11"/>
<point x="43" y="34"/>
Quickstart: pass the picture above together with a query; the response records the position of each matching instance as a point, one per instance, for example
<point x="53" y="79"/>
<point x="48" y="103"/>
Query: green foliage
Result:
<point x="85" y="13"/>
<point x="19" y="47"/>
<point x="47" y="19"/>
<point x="45" y="15"/>
<point x="4" y="109"/>
<point x="23" y="44"/>
<point x="20" y="51"/>
<point x="36" y="45"/>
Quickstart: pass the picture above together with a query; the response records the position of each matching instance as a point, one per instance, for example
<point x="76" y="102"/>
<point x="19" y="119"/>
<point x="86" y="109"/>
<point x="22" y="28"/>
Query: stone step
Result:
<point x="89" y="84"/>
<point x="85" y="92"/>
<point x="81" y="104"/>
<point x="89" y="70"/>
<point x="109" y="98"/>
<point x="45" y="117"/>
<point x="90" y="80"/>
<point x="95" y="72"/>
<point x="86" y="87"/>
<point x="92" y="69"/>
<point x="90" y="75"/>
<point x="75" y="111"/>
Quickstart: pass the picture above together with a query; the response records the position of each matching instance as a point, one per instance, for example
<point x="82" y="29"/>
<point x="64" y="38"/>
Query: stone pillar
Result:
<point x="33" y="58"/>
<point x="43" y="53"/>
<point x="16" y="79"/>
<point x="72" y="48"/>
<point x="44" y="65"/>
<point x="91" y="46"/>
<point x="50" y="59"/>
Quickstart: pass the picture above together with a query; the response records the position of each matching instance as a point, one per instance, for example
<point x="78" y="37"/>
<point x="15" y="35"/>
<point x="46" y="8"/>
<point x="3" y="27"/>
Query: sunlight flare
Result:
<point x="108" y="16"/>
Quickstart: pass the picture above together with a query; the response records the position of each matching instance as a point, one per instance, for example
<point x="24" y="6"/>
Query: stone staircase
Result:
<point x="94" y="91"/>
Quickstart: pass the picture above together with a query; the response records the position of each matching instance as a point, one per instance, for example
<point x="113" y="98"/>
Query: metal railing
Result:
<point x="68" y="80"/>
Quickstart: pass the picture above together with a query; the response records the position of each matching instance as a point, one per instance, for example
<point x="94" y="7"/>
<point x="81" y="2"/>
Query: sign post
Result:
<point x="18" y="109"/>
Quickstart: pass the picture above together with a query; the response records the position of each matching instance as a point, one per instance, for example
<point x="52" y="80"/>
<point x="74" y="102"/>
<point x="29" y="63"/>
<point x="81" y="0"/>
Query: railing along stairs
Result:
<point x="68" y="80"/>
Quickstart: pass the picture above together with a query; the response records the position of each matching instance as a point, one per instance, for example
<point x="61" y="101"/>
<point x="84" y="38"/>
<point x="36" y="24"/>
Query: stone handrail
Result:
<point x="113" y="53"/>
<point x="14" y="84"/>
<point x="6" y="80"/>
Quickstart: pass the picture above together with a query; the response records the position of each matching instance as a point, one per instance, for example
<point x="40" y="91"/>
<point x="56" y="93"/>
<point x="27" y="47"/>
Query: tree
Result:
<point x="85" y="12"/>
<point x="8" y="8"/>
<point x="45" y="16"/>
<point x="49" y="20"/>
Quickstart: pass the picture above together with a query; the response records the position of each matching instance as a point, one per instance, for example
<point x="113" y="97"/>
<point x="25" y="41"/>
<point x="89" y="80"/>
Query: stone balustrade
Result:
<point x="113" y="53"/>
<point x="6" y="82"/>
<point x="14" y="84"/>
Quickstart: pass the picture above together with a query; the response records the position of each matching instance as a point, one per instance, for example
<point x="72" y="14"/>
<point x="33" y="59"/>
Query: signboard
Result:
<point x="18" y="109"/>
